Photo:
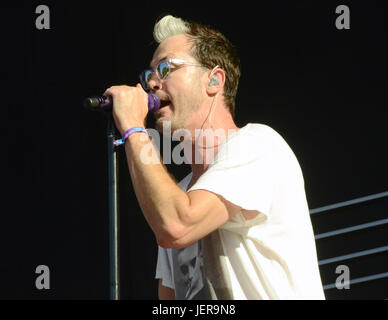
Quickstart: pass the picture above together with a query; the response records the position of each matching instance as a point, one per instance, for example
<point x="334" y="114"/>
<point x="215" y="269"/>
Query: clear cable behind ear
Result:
<point x="214" y="104"/>
<point x="213" y="70"/>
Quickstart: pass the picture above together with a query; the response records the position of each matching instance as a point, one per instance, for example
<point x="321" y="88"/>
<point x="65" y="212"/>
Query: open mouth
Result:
<point x="164" y="103"/>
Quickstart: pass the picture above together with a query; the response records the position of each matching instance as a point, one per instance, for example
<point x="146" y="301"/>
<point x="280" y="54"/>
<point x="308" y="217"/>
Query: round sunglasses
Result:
<point x="162" y="70"/>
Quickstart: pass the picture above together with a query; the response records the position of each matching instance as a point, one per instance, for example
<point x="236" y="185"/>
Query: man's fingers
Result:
<point x="116" y="90"/>
<point x="108" y="92"/>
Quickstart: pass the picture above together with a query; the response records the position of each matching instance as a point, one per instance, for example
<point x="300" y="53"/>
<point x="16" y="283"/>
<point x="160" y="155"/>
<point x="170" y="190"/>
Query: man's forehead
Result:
<point x="174" y="47"/>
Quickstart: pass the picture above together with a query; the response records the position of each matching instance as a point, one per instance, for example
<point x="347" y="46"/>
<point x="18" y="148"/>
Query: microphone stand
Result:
<point x="102" y="104"/>
<point x="114" y="223"/>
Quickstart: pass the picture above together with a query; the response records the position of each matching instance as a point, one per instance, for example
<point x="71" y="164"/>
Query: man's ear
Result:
<point x="216" y="81"/>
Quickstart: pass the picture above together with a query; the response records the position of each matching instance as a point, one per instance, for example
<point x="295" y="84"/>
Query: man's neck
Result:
<point x="205" y="147"/>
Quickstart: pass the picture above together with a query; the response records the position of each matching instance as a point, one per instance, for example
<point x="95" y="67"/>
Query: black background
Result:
<point x="323" y="89"/>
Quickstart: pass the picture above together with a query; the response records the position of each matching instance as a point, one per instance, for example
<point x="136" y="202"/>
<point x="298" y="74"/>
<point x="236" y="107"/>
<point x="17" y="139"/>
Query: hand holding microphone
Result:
<point x="97" y="103"/>
<point x="131" y="105"/>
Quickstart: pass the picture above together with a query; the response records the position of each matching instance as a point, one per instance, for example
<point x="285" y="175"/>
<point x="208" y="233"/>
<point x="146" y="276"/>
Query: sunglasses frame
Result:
<point x="178" y="62"/>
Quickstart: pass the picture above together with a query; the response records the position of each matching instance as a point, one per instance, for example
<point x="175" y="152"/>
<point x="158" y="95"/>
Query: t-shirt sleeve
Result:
<point x="245" y="173"/>
<point x="163" y="268"/>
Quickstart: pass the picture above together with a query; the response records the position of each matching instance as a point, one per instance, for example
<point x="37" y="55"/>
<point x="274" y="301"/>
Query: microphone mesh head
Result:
<point x="153" y="102"/>
<point x="91" y="103"/>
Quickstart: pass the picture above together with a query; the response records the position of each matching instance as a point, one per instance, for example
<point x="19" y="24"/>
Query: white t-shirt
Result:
<point x="272" y="256"/>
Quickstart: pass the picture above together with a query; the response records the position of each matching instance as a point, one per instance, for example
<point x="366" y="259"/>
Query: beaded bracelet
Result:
<point x="127" y="134"/>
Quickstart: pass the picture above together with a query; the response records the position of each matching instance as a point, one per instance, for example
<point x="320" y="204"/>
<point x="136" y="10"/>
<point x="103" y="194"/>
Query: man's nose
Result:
<point x="155" y="83"/>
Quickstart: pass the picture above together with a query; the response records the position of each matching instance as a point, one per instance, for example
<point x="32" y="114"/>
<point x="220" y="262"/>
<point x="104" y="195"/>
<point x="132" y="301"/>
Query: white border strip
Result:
<point x="349" y="202"/>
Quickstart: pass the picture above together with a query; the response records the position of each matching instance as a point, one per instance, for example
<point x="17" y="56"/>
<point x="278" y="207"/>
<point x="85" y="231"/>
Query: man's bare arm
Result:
<point x="165" y="293"/>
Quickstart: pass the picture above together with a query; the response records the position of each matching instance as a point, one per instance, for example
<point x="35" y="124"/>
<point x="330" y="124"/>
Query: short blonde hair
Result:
<point x="169" y="26"/>
<point x="210" y="48"/>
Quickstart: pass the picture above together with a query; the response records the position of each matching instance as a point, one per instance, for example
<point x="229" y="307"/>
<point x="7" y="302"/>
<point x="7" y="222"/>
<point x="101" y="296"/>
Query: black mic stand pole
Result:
<point x="114" y="223"/>
<point x="101" y="104"/>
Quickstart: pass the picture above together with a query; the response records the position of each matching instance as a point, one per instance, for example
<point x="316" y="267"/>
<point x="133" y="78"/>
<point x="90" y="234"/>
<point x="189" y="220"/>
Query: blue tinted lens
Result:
<point x="145" y="77"/>
<point x="164" y="69"/>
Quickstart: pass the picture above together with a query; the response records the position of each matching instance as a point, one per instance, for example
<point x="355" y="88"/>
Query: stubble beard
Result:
<point x="180" y="115"/>
<point x="176" y="121"/>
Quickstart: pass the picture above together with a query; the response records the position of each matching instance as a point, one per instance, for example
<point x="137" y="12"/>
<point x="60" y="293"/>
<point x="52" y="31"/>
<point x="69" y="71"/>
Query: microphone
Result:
<point x="96" y="103"/>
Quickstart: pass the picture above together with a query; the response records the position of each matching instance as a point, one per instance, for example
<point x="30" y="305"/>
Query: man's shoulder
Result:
<point x="251" y="137"/>
<point x="256" y="130"/>
<point x="253" y="144"/>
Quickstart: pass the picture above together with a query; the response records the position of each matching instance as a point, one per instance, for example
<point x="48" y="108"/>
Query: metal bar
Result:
<point x="114" y="226"/>
<point x="353" y="255"/>
<point x="349" y="202"/>
<point x="359" y="280"/>
<point x="350" y="229"/>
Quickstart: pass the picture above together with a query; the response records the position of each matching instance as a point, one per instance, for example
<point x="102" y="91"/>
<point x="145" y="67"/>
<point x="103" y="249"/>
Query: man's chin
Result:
<point x="167" y="128"/>
<point x="159" y="124"/>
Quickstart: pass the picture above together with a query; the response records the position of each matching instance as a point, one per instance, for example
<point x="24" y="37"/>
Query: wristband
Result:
<point x="127" y="134"/>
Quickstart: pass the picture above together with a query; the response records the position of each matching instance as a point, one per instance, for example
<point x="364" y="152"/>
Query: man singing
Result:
<point x="237" y="227"/>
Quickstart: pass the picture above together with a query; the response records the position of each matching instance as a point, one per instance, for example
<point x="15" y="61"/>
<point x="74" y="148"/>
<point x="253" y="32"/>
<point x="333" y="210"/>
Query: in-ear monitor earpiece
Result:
<point x="213" y="81"/>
